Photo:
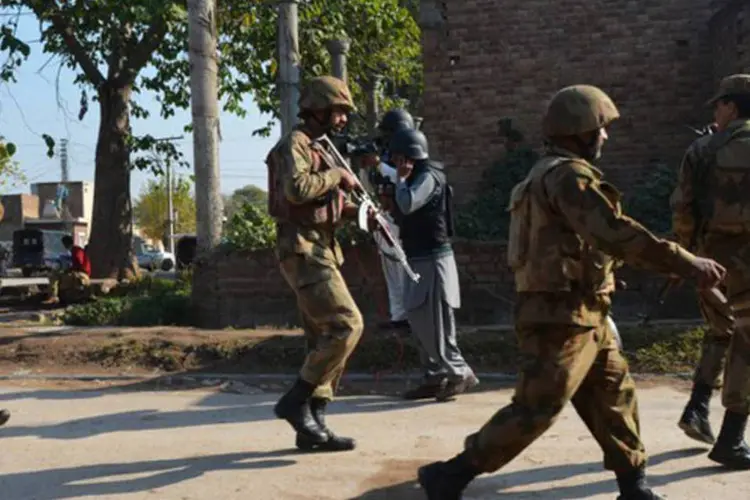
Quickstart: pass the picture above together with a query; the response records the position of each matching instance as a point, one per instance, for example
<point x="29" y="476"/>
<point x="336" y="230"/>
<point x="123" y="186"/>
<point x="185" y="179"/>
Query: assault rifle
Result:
<point x="367" y="206"/>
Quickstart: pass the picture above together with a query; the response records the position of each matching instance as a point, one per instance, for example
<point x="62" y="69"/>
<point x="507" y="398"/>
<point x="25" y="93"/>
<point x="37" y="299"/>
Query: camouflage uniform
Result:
<point x="711" y="209"/>
<point x="305" y="201"/>
<point x="567" y="234"/>
<point x="69" y="285"/>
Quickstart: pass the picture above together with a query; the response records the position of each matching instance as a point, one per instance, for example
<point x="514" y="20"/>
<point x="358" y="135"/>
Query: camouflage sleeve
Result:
<point x="301" y="184"/>
<point x="577" y="195"/>
<point x="683" y="198"/>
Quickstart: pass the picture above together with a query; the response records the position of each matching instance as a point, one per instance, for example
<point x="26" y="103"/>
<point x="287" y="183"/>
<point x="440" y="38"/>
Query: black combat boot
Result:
<point x="4" y="416"/>
<point x="633" y="486"/>
<point x="294" y="407"/>
<point x="447" y="480"/>
<point x="694" y="421"/>
<point x="730" y="449"/>
<point x="334" y="442"/>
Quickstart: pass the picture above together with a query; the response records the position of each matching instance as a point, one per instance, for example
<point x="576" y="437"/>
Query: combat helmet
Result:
<point x="324" y="92"/>
<point x="396" y="119"/>
<point x="578" y="109"/>
<point x="410" y="143"/>
<point x="732" y="85"/>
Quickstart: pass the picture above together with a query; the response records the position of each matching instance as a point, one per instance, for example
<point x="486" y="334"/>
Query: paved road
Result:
<point x="205" y="445"/>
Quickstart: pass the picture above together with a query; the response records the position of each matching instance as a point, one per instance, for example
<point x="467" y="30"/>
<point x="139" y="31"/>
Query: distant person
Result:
<point x="73" y="280"/>
<point x="381" y="175"/>
<point x="4" y="416"/>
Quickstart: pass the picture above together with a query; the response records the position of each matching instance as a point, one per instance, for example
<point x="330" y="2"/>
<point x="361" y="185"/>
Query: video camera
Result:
<point x="352" y="147"/>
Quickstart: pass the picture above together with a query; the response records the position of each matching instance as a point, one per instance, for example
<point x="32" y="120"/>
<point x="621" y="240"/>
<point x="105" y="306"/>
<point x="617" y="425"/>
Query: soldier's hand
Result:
<point x="348" y="181"/>
<point x="708" y="272"/>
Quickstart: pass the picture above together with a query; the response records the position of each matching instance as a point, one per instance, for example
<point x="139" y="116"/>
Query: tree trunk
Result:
<point x="205" y="110"/>
<point x="111" y="241"/>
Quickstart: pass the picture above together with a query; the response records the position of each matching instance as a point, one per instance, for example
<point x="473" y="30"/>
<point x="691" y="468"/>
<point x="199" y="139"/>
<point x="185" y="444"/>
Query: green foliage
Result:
<point x="150" y="209"/>
<point x="485" y="218"/>
<point x="145" y="302"/>
<point x="677" y="352"/>
<point x="91" y="36"/>
<point x="251" y="228"/>
<point x="102" y="312"/>
<point x="10" y="170"/>
<point x="648" y="201"/>
<point x="124" y="49"/>
<point x="248" y="194"/>
<point x="383" y="34"/>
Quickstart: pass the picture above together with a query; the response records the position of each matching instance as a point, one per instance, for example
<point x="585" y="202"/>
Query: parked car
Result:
<point x="151" y="258"/>
<point x="38" y="250"/>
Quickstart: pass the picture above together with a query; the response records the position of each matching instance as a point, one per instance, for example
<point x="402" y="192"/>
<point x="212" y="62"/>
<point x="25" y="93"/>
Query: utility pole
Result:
<point x="170" y="211"/>
<point x="170" y="201"/>
<point x="289" y="61"/>
<point x="64" y="172"/>
<point x="338" y="49"/>
<point x="204" y="100"/>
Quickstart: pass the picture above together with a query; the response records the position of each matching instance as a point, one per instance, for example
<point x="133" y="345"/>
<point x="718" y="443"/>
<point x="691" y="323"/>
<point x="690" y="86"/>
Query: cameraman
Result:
<point x="380" y="176"/>
<point x="424" y="196"/>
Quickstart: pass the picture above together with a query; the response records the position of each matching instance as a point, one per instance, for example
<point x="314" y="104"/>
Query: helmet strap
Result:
<point x="587" y="149"/>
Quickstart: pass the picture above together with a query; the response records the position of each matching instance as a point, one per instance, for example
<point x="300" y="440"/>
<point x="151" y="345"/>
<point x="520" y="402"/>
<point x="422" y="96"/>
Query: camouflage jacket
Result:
<point x="567" y="234"/>
<point x="713" y="185"/>
<point x="305" y="200"/>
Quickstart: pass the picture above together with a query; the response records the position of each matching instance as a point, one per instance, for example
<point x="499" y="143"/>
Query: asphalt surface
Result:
<point x="207" y="444"/>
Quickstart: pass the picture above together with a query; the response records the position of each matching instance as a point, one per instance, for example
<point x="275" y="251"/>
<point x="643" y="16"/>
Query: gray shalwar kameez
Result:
<point x="430" y="302"/>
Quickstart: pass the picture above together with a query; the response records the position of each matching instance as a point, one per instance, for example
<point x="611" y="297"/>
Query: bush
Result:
<point x="648" y="202"/>
<point x="103" y="311"/>
<point x="251" y="228"/>
<point x="144" y="302"/>
<point x="485" y="218"/>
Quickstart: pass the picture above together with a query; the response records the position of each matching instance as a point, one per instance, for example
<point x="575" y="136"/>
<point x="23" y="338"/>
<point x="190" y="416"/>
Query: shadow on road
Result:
<point x="223" y="409"/>
<point x="104" y="479"/>
<point x="494" y="486"/>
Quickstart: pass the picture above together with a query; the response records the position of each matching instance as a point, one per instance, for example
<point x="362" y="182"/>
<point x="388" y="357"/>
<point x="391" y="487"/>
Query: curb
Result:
<point x="283" y="377"/>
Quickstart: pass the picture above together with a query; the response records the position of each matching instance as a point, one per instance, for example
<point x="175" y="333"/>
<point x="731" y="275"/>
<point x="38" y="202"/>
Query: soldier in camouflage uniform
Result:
<point x="306" y="197"/>
<point x="567" y="232"/>
<point x="711" y="210"/>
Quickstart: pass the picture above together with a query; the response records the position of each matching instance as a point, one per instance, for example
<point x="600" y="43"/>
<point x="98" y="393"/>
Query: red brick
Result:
<point x="513" y="55"/>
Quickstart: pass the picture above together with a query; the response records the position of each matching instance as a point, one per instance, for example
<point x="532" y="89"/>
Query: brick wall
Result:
<point x="246" y="290"/>
<point x="730" y="35"/>
<point x="487" y="59"/>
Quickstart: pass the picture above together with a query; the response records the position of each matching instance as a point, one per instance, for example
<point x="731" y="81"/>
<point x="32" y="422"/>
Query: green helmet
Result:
<point x="578" y="109"/>
<point x="323" y="93"/>
<point x="733" y="85"/>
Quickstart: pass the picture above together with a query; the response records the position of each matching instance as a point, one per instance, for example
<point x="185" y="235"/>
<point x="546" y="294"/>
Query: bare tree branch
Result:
<point x="49" y="11"/>
<point x="140" y="53"/>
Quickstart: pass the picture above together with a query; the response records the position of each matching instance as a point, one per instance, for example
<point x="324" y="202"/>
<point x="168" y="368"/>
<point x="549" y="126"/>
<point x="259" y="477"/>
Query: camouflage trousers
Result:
<point x="69" y="285"/>
<point x="331" y="320"/>
<point x="720" y="321"/>
<point x="561" y="363"/>
<point x="733" y="252"/>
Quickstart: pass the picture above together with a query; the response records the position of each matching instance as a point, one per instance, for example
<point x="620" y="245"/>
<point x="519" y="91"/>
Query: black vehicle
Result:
<point x="185" y="249"/>
<point x="38" y="250"/>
